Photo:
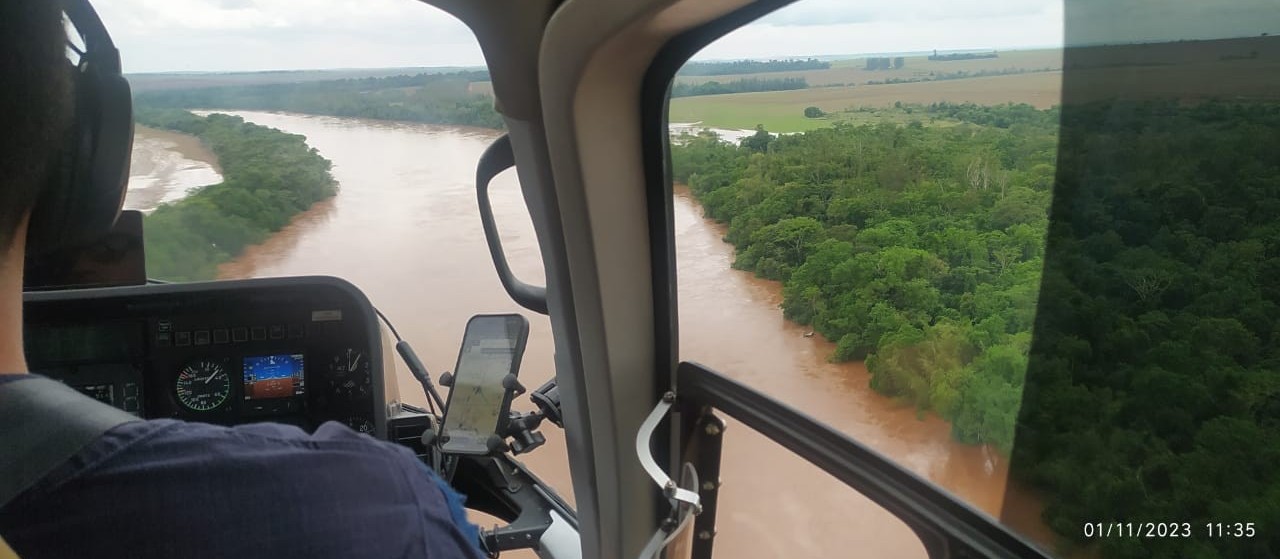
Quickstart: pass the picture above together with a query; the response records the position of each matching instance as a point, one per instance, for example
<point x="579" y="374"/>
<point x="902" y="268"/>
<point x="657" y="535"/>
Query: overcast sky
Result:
<point x="238" y="35"/>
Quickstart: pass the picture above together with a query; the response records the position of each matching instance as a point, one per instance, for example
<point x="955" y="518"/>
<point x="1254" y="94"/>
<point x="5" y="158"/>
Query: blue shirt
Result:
<point x="173" y="489"/>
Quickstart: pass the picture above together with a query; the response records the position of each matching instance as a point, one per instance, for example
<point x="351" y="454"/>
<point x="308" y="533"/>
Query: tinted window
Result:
<point x="1041" y="278"/>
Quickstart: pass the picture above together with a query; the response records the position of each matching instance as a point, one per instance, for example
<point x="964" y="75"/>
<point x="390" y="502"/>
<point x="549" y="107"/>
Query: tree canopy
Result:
<point x="918" y="249"/>
<point x="1153" y="386"/>
<point x="1150" y="390"/>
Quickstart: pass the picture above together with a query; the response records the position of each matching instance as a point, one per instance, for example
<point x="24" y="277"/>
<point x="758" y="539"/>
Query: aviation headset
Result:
<point x="85" y="190"/>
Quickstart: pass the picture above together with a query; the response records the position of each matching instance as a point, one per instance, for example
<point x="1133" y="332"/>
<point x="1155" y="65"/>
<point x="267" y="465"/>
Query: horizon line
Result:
<point x="823" y="57"/>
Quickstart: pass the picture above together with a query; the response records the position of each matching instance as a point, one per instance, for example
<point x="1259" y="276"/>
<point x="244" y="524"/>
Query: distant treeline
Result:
<point x="886" y="63"/>
<point x="156" y="81"/>
<point x="960" y="75"/>
<point x="745" y="85"/>
<point x="268" y="177"/>
<point x="430" y="98"/>
<point x="1000" y="116"/>
<point x="962" y="56"/>
<point x="751" y="67"/>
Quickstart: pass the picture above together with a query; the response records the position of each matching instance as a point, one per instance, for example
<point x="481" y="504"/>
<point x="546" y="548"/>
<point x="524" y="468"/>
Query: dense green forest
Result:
<point x="1150" y="391"/>
<point x="430" y="98"/>
<point x="1153" y="386"/>
<point x="751" y="67"/>
<point x="268" y="177"/>
<point x="916" y="248"/>
<point x="745" y="85"/>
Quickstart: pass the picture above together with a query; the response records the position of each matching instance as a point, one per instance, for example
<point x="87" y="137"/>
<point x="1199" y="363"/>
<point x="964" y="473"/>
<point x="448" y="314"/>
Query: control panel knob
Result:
<point x="526" y="441"/>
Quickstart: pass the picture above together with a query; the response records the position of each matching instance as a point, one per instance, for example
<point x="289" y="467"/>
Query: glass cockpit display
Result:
<point x="273" y="376"/>
<point x="480" y="398"/>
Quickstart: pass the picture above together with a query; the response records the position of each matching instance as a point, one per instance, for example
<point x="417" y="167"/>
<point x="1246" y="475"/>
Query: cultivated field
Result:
<point x="783" y="111"/>
<point x="1187" y="72"/>
<point x="852" y="72"/>
<point x="845" y="86"/>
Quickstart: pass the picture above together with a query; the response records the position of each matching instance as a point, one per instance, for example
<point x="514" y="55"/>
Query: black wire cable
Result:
<point x="439" y="463"/>
<point x="389" y="325"/>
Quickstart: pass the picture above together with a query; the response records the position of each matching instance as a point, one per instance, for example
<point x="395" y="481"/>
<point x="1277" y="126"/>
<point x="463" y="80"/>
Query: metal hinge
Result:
<point x="685" y="503"/>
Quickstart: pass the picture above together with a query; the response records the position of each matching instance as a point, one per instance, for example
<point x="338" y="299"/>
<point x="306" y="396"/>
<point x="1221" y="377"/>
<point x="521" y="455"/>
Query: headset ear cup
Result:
<point x="112" y="148"/>
<point x="55" y="206"/>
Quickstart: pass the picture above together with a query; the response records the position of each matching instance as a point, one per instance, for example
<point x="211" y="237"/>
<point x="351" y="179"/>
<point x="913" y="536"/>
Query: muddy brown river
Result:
<point x="405" y="229"/>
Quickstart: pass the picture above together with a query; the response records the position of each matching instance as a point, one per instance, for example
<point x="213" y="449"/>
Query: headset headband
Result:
<point x="98" y="46"/>
<point x="85" y="191"/>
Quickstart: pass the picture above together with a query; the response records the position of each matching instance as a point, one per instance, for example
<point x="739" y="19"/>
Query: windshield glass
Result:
<point x="1024" y="249"/>
<point x="253" y="157"/>
<point x="1021" y="249"/>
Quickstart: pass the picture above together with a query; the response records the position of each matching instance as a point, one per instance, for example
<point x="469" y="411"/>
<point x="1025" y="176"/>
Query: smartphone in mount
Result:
<point x="480" y="398"/>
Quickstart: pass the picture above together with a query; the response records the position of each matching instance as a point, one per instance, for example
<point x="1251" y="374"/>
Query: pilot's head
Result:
<point x="34" y="112"/>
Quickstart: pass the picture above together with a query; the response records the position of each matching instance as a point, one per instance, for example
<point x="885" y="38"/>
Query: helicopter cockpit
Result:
<point x="313" y="349"/>
<point x="583" y="89"/>
<point x="303" y="351"/>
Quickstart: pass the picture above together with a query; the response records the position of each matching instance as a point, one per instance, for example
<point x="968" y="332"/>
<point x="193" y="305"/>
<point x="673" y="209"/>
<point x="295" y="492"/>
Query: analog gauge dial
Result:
<point x="349" y="375"/>
<point x="360" y="424"/>
<point x="203" y="385"/>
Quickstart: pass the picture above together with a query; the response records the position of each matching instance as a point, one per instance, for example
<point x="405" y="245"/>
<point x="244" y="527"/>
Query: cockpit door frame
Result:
<point x="946" y="526"/>
<point x="619" y="292"/>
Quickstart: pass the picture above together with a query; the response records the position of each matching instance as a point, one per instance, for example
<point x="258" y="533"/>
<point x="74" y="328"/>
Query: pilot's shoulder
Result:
<point x="171" y="446"/>
<point x="164" y="452"/>
<point x="274" y="437"/>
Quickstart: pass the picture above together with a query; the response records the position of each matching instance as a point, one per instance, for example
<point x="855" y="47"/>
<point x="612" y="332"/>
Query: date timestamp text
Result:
<point x="1098" y="530"/>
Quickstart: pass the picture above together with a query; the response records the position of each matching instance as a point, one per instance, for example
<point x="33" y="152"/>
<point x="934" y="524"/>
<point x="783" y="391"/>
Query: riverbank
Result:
<point x="269" y="176"/>
<point x="185" y="145"/>
<point x="166" y="166"/>
<point x="836" y="393"/>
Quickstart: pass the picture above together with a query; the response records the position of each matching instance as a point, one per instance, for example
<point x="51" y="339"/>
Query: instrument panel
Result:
<point x="301" y="350"/>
